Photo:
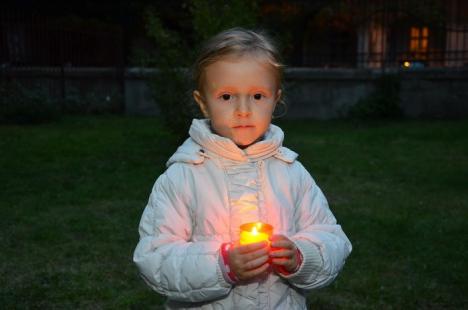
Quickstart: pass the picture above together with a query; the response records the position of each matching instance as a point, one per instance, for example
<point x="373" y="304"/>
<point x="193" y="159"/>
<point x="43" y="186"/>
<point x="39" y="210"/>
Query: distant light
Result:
<point x="406" y="64"/>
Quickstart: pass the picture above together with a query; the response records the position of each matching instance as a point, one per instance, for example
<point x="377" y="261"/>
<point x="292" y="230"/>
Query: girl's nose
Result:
<point x="243" y="107"/>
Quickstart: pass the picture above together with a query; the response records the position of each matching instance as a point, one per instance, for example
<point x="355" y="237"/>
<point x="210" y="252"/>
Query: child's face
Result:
<point x="239" y="96"/>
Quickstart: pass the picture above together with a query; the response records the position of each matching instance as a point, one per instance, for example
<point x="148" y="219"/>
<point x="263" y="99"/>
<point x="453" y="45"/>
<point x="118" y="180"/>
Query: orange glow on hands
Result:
<point x="255" y="232"/>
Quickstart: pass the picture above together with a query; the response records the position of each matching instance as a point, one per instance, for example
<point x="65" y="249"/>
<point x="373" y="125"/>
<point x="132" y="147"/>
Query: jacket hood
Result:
<point x="204" y="143"/>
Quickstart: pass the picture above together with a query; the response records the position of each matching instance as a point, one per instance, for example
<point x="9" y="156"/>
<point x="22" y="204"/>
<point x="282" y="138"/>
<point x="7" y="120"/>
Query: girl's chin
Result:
<point x="245" y="144"/>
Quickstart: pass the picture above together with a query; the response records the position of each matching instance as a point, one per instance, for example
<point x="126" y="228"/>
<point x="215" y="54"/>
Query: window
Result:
<point x="419" y="37"/>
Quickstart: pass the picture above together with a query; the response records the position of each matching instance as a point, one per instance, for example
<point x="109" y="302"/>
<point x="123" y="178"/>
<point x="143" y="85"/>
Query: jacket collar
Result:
<point x="204" y="143"/>
<point x="200" y="131"/>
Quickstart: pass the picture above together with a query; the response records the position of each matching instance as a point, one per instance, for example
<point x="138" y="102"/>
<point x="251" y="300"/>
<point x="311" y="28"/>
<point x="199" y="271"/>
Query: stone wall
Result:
<point x="328" y="94"/>
<point x="435" y="94"/>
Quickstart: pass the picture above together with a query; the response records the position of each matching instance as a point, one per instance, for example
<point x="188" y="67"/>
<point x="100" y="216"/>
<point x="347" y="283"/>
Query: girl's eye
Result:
<point x="258" y="96"/>
<point x="226" y="97"/>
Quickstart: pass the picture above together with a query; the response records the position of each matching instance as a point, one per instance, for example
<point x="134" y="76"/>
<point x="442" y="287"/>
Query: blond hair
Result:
<point x="237" y="42"/>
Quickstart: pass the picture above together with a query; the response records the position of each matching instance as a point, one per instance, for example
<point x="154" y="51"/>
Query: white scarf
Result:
<point x="201" y="133"/>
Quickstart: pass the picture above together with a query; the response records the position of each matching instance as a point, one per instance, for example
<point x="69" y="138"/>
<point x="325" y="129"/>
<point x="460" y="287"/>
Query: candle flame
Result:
<point x="254" y="231"/>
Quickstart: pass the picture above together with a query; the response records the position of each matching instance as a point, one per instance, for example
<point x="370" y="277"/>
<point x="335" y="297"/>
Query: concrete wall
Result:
<point x="138" y="96"/>
<point x="91" y="90"/>
<point x="324" y="94"/>
<point x="435" y="94"/>
<point x="309" y="93"/>
<point x="427" y="93"/>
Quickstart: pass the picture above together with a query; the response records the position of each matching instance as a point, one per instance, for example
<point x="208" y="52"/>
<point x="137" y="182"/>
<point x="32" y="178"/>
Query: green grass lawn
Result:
<point x="72" y="194"/>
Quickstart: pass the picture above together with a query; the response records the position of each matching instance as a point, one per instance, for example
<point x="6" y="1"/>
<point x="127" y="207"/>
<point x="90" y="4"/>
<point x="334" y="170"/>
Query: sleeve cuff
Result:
<point x="223" y="263"/>
<point x="311" y="262"/>
<point x="283" y="270"/>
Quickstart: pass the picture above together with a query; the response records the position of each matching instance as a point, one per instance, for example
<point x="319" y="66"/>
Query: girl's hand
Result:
<point x="249" y="261"/>
<point x="285" y="256"/>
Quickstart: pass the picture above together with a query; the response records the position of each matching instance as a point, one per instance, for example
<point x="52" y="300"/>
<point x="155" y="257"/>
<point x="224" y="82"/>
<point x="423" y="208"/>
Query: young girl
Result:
<point x="233" y="170"/>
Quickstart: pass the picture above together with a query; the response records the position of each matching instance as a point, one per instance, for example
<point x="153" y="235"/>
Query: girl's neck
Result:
<point x="242" y="147"/>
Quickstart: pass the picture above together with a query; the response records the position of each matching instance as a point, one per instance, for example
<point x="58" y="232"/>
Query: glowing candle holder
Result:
<point x="255" y="232"/>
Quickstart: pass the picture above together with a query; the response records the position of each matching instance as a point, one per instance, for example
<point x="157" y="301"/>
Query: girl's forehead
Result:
<point x="257" y="58"/>
<point x="241" y="71"/>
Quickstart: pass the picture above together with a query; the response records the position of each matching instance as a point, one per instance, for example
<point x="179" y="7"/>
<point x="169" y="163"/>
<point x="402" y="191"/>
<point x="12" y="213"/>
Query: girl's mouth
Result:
<point x="243" y="126"/>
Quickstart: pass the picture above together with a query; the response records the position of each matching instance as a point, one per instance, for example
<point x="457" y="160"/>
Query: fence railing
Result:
<point x="389" y="33"/>
<point x="44" y="52"/>
<point x="28" y="39"/>
<point x="355" y="34"/>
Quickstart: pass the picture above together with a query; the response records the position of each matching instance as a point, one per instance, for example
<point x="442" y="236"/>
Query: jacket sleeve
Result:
<point x="320" y="239"/>
<point x="168" y="261"/>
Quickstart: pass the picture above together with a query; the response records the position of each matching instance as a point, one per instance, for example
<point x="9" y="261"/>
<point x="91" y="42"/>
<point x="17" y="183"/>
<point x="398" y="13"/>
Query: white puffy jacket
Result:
<point x="210" y="188"/>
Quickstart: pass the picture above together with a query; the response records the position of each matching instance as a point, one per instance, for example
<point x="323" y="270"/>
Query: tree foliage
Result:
<point x="176" y="51"/>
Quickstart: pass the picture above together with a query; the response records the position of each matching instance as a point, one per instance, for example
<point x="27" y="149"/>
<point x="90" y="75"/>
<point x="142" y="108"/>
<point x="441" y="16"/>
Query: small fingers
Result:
<point x="281" y="243"/>
<point x="281" y="262"/>
<point x="246" y="275"/>
<point x="255" y="263"/>
<point x="252" y="247"/>
<point x="249" y="256"/>
<point x="243" y="262"/>
<point x="282" y="253"/>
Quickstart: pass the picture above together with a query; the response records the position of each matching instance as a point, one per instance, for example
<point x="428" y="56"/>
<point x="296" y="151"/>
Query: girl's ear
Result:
<point x="199" y="99"/>
<point x="279" y="93"/>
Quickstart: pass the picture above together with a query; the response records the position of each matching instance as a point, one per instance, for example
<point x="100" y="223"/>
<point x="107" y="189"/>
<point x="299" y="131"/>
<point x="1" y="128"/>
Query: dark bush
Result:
<point x="91" y="101"/>
<point x="382" y="103"/>
<point x="23" y="105"/>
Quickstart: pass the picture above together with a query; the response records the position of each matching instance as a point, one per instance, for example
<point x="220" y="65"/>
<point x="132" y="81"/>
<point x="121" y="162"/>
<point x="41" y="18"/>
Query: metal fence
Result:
<point x="71" y="59"/>
<point x="28" y="39"/>
<point x="346" y="33"/>
<point x="383" y="33"/>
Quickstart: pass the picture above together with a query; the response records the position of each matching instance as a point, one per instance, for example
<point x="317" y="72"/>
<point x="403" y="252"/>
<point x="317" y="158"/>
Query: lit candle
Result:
<point x="255" y="232"/>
